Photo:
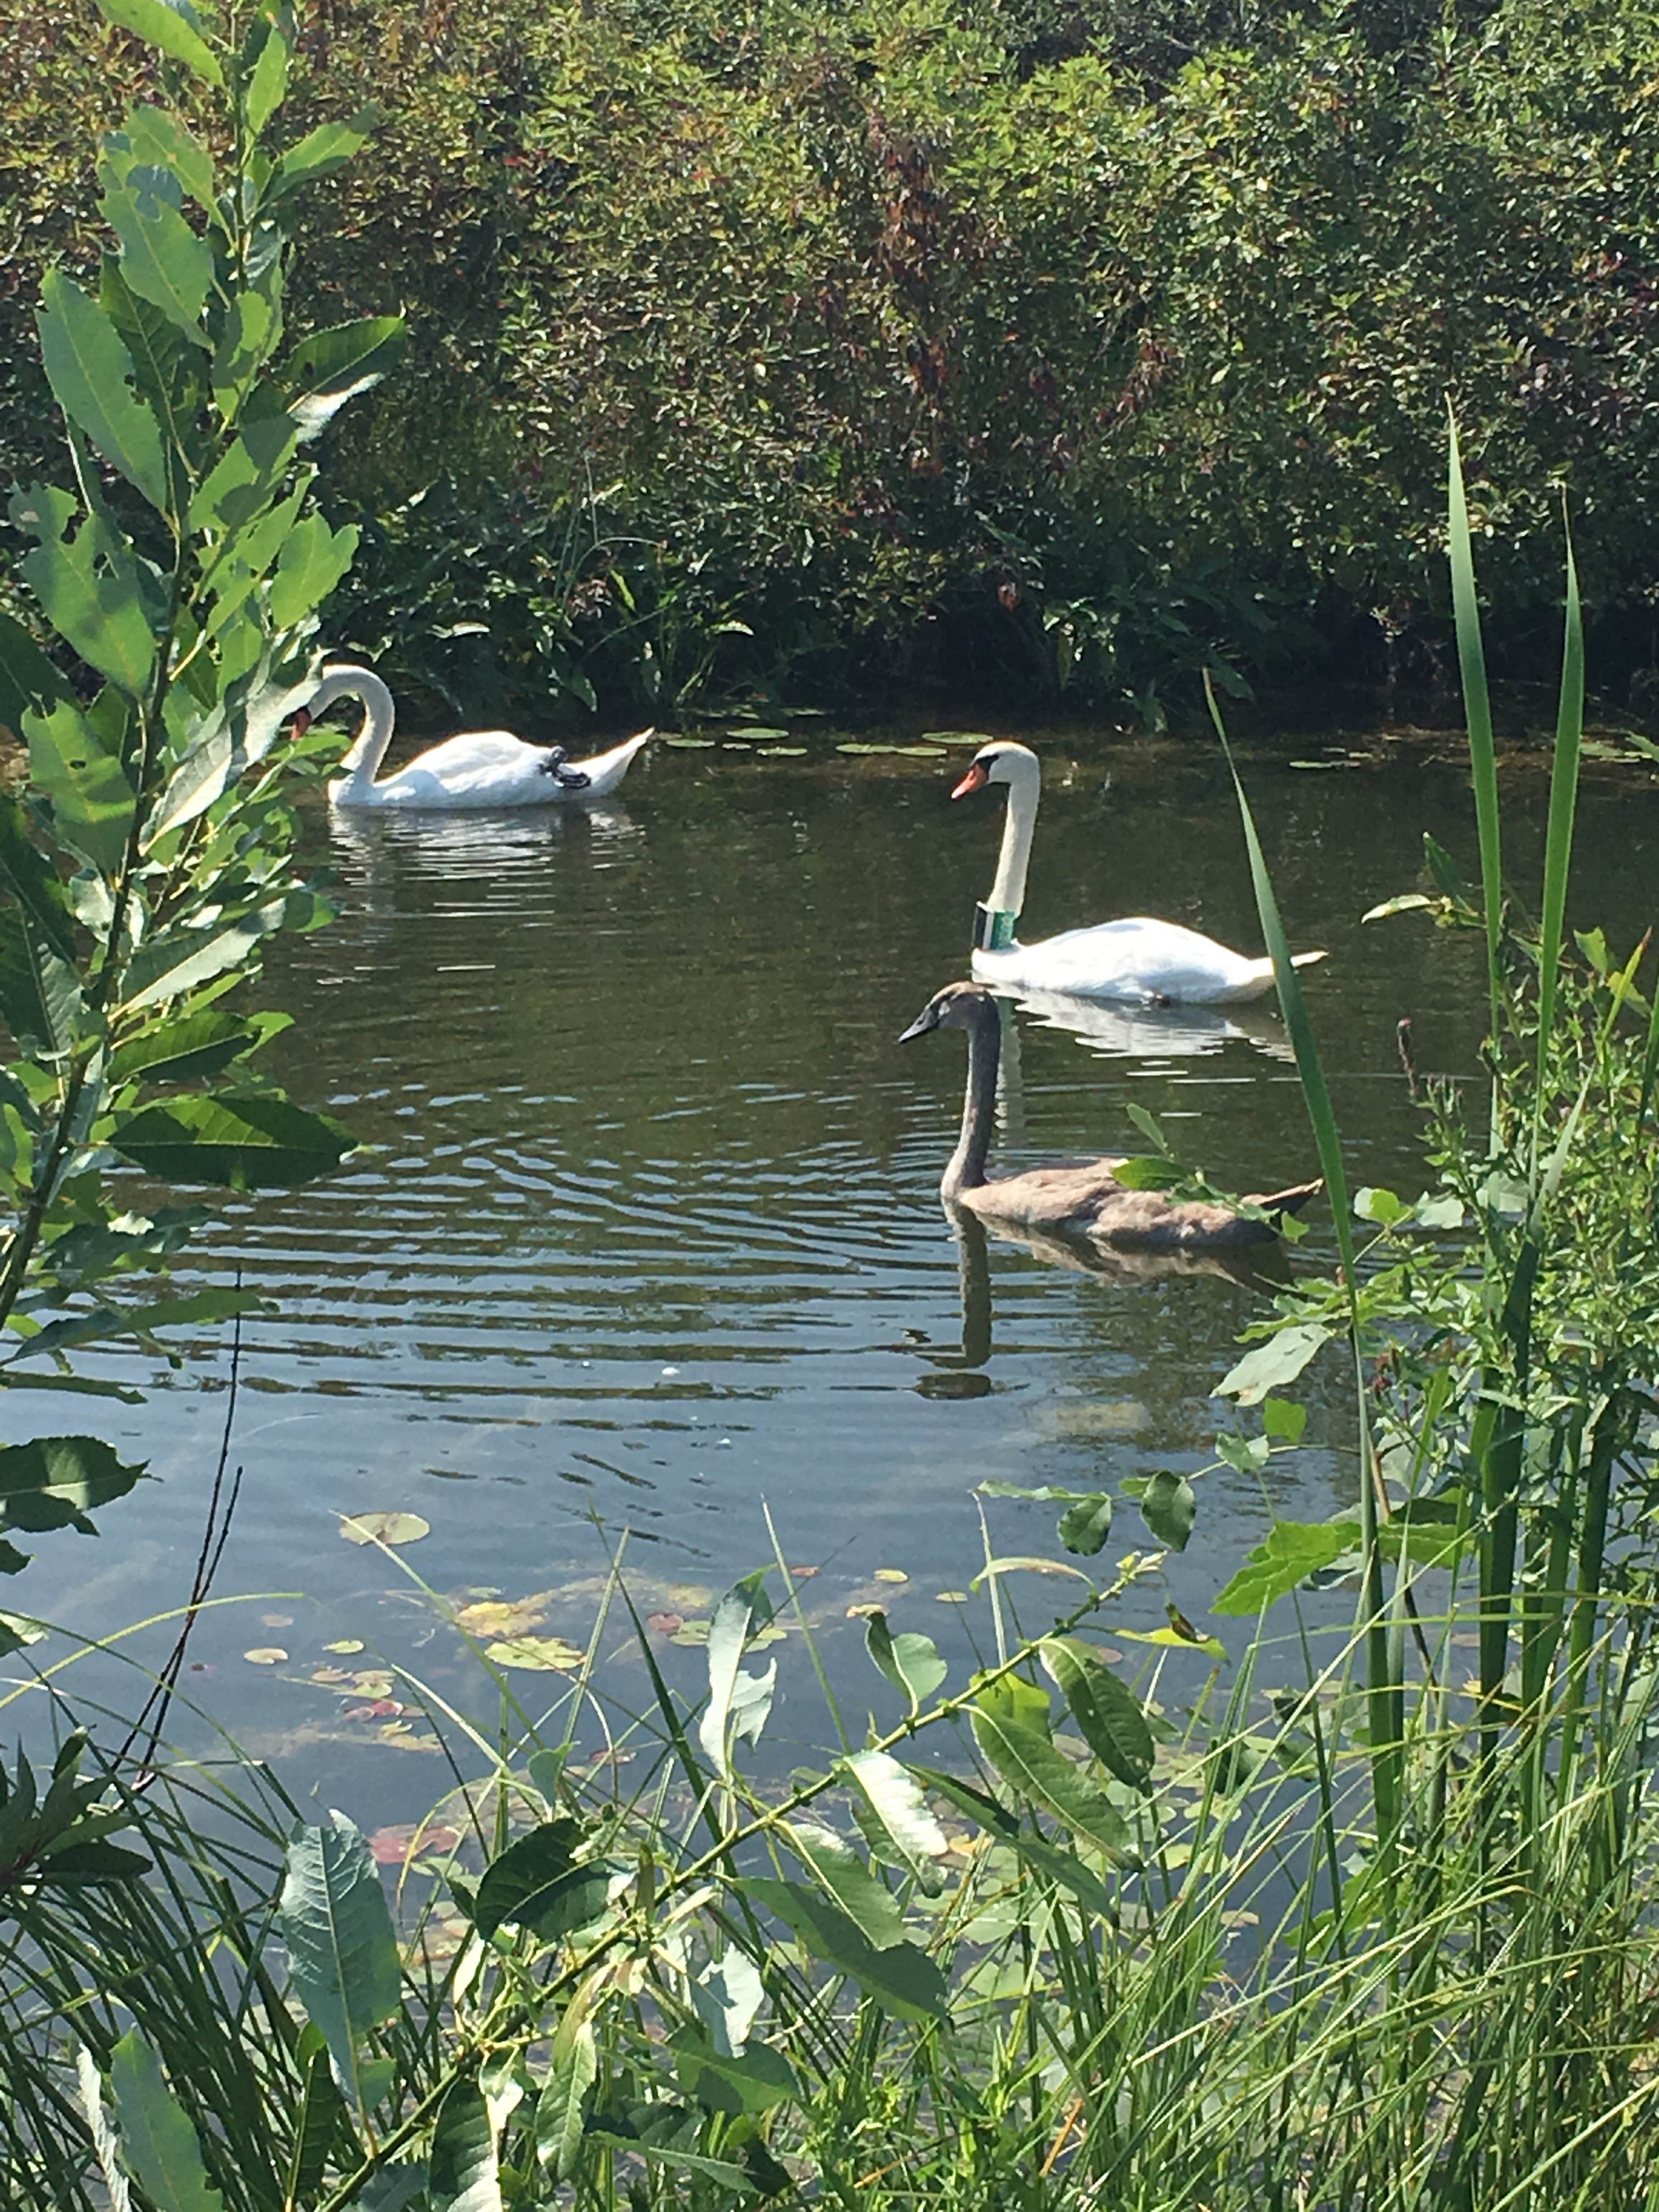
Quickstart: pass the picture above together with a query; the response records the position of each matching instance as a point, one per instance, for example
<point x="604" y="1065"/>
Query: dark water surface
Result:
<point x="648" y="1231"/>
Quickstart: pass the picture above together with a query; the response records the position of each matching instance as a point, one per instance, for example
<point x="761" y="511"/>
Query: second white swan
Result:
<point x="479" y="769"/>
<point x="1151" y="962"/>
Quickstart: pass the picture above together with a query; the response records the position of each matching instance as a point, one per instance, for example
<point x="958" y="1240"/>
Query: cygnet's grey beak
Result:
<point x="920" y="1027"/>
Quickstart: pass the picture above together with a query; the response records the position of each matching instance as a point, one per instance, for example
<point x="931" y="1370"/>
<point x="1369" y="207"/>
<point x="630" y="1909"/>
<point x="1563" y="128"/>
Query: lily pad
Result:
<point x="265" y="1655"/>
<point x="498" y="1617"/>
<point x="536" y="1654"/>
<point x="384" y="1528"/>
<point x="345" y="1643"/>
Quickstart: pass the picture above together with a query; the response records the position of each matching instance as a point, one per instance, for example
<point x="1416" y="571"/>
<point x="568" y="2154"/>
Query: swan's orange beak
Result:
<point x="975" y="780"/>
<point x="303" y="721"/>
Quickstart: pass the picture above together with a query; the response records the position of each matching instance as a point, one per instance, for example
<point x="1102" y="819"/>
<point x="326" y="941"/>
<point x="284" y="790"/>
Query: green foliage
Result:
<point x="151" y="857"/>
<point x="837" y="345"/>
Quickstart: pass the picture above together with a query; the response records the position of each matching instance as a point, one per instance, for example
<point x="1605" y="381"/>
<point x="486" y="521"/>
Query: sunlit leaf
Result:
<point x="561" y="2108"/>
<point x="860" y="1892"/>
<point x="93" y="803"/>
<point x="162" y="259"/>
<point x="895" y="1799"/>
<point x="90" y="372"/>
<point x="1269" y="1365"/>
<point x="248" y="1144"/>
<point x="54" y="1482"/>
<point x="910" y="1661"/>
<point x="752" y="2083"/>
<point x="1035" y="1769"/>
<point x="161" y="25"/>
<point x="1292" y="1550"/>
<point x="741" y="1610"/>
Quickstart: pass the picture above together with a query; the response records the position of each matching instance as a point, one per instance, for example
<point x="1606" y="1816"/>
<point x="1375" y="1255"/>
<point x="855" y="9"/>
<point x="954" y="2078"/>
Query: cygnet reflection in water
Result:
<point x="961" y="1374"/>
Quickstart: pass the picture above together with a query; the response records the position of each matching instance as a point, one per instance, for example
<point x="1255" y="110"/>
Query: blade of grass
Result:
<point x="1477" y="707"/>
<point x="1384" y="1698"/>
<point x="1557" y="851"/>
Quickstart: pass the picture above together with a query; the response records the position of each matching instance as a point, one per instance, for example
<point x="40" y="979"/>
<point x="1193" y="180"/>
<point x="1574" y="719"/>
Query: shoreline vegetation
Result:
<point x="1043" y="355"/>
<point x="1361" y="1920"/>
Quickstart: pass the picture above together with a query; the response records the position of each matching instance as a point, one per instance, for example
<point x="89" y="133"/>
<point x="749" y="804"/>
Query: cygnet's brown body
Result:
<point x="1085" y="1201"/>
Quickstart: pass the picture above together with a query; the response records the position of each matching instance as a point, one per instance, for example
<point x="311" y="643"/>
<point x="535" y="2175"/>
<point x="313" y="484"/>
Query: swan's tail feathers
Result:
<point x="604" y="771"/>
<point x="1287" y="1201"/>
<point x="1308" y="959"/>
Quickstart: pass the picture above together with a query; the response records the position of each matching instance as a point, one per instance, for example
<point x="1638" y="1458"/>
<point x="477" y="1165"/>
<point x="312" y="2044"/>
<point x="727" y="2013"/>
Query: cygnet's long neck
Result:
<point x="966" y="1170"/>
<point x="1024" y="779"/>
<point x="368" y="748"/>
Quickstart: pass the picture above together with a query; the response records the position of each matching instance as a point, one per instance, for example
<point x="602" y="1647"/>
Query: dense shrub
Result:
<point x="825" y="346"/>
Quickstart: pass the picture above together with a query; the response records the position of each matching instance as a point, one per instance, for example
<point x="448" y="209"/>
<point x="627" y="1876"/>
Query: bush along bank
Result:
<point x="833" y="350"/>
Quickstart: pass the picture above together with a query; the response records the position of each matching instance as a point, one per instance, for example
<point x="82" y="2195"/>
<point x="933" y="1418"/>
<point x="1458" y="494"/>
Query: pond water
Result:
<point x="647" y="1237"/>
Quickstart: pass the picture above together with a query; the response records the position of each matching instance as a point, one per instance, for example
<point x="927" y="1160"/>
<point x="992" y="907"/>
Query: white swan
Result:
<point x="1151" y="962"/>
<point x="480" y="769"/>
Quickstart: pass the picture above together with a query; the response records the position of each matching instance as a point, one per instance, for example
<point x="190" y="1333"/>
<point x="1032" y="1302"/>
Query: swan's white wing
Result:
<point x="1135" y="959"/>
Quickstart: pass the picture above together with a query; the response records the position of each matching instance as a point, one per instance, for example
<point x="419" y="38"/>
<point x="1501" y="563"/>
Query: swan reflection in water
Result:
<point x="480" y="853"/>
<point x="961" y="1374"/>
<point x="1147" y="1032"/>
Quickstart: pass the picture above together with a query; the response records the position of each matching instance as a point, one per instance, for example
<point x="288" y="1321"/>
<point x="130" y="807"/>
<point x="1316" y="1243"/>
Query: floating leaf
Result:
<point x="266" y="1655"/>
<point x="535" y="1655"/>
<point x="345" y="1643"/>
<point x="891" y="1575"/>
<point x="384" y="1528"/>
<point x="499" y="1617"/>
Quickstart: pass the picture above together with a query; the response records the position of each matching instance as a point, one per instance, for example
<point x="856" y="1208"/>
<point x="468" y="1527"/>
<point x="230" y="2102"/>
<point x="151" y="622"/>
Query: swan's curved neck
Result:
<point x="1008" y="891"/>
<point x="368" y="748"/>
<point x="966" y="1170"/>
